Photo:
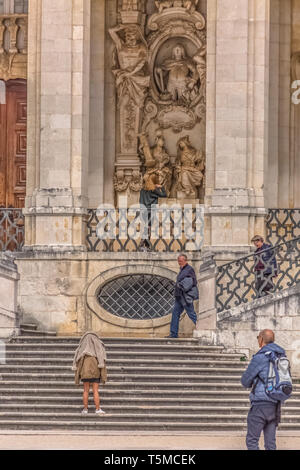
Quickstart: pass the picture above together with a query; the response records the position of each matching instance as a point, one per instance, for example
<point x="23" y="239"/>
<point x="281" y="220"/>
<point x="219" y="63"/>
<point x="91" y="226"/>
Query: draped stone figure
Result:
<point x="157" y="160"/>
<point x="177" y="77"/>
<point x="132" y="78"/>
<point x="190" y="167"/>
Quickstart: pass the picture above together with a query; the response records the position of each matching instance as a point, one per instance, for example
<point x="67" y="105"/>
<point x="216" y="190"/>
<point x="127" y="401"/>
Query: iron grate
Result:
<point x="138" y="296"/>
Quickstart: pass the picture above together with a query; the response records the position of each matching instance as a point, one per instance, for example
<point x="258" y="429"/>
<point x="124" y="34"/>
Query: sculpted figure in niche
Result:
<point x="132" y="78"/>
<point x="190" y="167"/>
<point x="189" y="5"/>
<point x="157" y="161"/>
<point x="177" y="77"/>
<point x="129" y="5"/>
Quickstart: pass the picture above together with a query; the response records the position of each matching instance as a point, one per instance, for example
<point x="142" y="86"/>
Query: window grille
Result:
<point x="138" y="296"/>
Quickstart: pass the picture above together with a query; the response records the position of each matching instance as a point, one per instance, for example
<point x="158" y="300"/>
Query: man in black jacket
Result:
<point x="265" y="266"/>
<point x="186" y="291"/>
<point x="149" y="197"/>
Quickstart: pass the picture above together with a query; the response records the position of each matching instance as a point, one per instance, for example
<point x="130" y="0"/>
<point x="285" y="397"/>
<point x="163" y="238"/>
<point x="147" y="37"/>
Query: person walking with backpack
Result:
<point x="269" y="376"/>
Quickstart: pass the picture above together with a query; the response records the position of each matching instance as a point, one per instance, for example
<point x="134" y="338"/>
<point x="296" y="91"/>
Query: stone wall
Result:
<point x="58" y="291"/>
<point x="9" y="317"/>
<point x="237" y="329"/>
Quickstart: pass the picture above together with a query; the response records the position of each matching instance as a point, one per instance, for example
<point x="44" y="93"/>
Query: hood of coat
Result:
<point x="271" y="347"/>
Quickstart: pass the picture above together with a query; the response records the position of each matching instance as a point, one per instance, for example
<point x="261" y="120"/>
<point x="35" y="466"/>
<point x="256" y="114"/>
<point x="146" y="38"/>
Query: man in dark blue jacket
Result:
<point x="186" y="291"/>
<point x="264" y="414"/>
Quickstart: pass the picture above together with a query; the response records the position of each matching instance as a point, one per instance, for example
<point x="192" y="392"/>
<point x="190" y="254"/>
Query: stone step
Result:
<point x="138" y="417"/>
<point x="180" y="377"/>
<point x="29" y="326"/>
<point x="152" y="385"/>
<point x="97" y="424"/>
<point x="72" y="340"/>
<point x="125" y="393"/>
<point x="121" y="348"/>
<point x="107" y="400"/>
<point x="128" y="367"/>
<point x="135" y="417"/>
<point x="16" y="354"/>
<point x="127" y="409"/>
<point x="146" y="409"/>
<point x="25" y="332"/>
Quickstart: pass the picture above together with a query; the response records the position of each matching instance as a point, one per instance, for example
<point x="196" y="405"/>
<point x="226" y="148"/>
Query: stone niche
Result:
<point x="160" y="77"/>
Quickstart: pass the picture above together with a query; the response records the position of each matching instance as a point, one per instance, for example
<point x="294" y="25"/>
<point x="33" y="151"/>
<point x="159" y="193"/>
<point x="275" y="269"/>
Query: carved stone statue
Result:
<point x="177" y="77"/>
<point x="189" y="5"/>
<point x="132" y="79"/>
<point x="200" y="60"/>
<point x="190" y="167"/>
<point x="157" y="160"/>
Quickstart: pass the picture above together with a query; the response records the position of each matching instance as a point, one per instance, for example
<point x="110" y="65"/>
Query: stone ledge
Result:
<point x="58" y="253"/>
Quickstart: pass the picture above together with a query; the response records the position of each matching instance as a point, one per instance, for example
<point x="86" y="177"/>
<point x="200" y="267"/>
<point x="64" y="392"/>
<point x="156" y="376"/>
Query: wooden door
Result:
<point x="13" y="120"/>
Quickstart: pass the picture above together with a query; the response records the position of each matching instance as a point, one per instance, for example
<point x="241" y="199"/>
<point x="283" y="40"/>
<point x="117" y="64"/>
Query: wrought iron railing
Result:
<point x="11" y="229"/>
<point x="259" y="274"/>
<point x="282" y="225"/>
<point x="123" y="230"/>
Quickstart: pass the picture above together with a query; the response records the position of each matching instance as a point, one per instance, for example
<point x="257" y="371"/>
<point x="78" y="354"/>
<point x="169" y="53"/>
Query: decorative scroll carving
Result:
<point x="160" y="79"/>
<point x="13" y="47"/>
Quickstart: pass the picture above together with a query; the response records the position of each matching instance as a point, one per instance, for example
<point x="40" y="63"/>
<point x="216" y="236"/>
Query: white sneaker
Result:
<point x="100" y="412"/>
<point x="84" y="411"/>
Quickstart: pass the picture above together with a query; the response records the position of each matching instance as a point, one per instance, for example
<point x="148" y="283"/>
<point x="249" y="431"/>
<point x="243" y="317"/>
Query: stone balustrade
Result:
<point x="13" y="34"/>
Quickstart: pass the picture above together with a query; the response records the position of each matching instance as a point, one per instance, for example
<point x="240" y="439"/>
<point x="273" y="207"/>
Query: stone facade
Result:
<point x="197" y="93"/>
<point x="58" y="290"/>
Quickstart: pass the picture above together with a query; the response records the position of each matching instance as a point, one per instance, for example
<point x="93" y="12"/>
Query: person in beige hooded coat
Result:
<point x="90" y="365"/>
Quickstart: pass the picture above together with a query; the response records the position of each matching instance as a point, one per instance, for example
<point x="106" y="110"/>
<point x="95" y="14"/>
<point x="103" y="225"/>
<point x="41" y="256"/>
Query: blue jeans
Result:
<point x="262" y="417"/>
<point x="177" y="311"/>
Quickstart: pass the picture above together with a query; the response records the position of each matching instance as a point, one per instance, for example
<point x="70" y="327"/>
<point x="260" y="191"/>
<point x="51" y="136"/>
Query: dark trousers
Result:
<point x="262" y="289"/>
<point x="177" y="311"/>
<point x="262" y="417"/>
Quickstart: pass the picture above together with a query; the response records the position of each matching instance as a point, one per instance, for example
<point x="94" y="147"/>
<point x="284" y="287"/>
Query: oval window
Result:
<point x="138" y="296"/>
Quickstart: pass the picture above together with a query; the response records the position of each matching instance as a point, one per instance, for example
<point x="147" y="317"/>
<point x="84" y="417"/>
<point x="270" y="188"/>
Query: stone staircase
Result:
<point x="174" y="385"/>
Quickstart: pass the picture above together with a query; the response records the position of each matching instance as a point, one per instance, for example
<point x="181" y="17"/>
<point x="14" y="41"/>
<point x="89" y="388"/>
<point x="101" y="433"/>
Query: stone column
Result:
<point x="207" y="314"/>
<point x="237" y="119"/>
<point x="58" y="123"/>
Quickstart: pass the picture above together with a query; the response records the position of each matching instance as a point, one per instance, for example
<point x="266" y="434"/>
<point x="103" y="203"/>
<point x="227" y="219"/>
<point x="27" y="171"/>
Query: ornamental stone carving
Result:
<point x="189" y="168"/>
<point x="177" y="78"/>
<point x="157" y="160"/>
<point x="189" y="5"/>
<point x="132" y="80"/>
<point x="160" y="76"/>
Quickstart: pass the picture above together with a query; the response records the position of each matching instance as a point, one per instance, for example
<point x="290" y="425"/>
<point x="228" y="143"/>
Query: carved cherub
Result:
<point x="162" y="4"/>
<point x="189" y="5"/>
<point x="130" y="5"/>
